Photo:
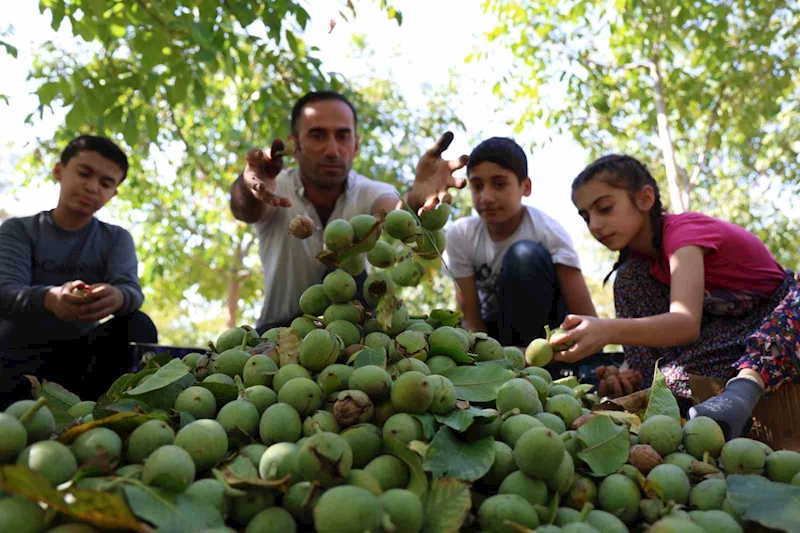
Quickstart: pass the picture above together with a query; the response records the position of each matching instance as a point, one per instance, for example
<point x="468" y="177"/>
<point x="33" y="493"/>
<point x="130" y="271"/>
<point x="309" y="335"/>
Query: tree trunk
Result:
<point x="678" y="200"/>
<point x="234" y="285"/>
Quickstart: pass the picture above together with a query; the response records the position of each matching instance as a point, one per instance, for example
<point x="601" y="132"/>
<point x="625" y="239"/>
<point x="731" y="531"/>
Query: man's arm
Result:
<point x="253" y="192"/>
<point x="19" y="300"/>
<point x="469" y="304"/>
<point x="244" y="205"/>
<point x="386" y="202"/>
<point x="576" y="293"/>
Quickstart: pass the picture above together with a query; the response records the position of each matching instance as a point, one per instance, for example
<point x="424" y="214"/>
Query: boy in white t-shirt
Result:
<point x="515" y="266"/>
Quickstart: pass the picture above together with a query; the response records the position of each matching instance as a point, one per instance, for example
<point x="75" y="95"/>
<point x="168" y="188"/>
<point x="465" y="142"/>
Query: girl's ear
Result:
<point x="645" y="198"/>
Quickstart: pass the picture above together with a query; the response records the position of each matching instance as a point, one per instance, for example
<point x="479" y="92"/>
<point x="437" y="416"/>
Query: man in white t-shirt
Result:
<point x="515" y="266"/>
<point x="323" y="187"/>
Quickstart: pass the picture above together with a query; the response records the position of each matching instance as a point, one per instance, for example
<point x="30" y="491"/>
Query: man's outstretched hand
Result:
<point x="263" y="166"/>
<point x="434" y="176"/>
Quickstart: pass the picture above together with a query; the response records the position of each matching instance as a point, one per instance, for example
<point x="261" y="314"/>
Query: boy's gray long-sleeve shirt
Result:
<point x="36" y="254"/>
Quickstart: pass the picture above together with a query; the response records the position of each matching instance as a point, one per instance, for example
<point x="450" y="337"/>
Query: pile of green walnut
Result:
<point x="349" y="423"/>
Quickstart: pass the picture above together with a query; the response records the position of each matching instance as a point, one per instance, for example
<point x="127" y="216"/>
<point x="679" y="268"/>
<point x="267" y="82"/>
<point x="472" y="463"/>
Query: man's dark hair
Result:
<point x="319" y="96"/>
<point x="501" y="151"/>
<point x="102" y="145"/>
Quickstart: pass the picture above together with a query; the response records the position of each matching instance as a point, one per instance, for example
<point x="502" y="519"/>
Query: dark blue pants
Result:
<point x="86" y="366"/>
<point x="529" y="296"/>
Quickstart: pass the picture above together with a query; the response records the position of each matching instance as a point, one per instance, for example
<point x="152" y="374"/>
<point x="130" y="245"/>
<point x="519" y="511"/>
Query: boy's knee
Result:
<point x="525" y="256"/>
<point x="141" y="328"/>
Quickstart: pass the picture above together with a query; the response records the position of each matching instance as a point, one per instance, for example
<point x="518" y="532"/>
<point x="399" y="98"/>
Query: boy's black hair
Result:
<point x="319" y="96"/>
<point x="502" y="151"/>
<point x="625" y="172"/>
<point x="102" y="145"/>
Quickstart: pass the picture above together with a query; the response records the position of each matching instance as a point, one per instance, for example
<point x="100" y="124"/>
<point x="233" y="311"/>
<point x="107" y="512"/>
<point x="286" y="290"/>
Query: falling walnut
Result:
<point x="301" y="227"/>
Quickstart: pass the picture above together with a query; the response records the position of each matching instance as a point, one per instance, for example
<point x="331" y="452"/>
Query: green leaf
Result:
<point x="57" y="396"/>
<point x="370" y="356"/>
<point x="10" y="50"/>
<point x="606" y="445"/>
<point x="126" y="405"/>
<point x="239" y="472"/>
<point x="164" y="398"/>
<point x="130" y="131"/>
<point x="288" y="346"/>
<point x="448" y="456"/>
<point x="152" y="127"/>
<point x="75" y="117"/>
<point x="771" y="504"/>
<point x="48" y="92"/>
<point x="428" y="424"/>
<point x="59" y="400"/>
<point x="169" y="511"/>
<point x="159" y="360"/>
<point x="166" y="375"/>
<point x="460" y="420"/>
<point x="661" y="401"/>
<point x="456" y="355"/>
<point x="633" y="422"/>
<point x="97" y="508"/>
<point x="123" y="383"/>
<point x="186" y="419"/>
<point x="479" y="383"/>
<point x="503" y="363"/>
<point x="387" y="305"/>
<point x="122" y="423"/>
<point x="302" y="17"/>
<point x="118" y="31"/>
<point x="418" y="484"/>
<point x="569" y="381"/>
<point x="446" y="506"/>
<point x="292" y="40"/>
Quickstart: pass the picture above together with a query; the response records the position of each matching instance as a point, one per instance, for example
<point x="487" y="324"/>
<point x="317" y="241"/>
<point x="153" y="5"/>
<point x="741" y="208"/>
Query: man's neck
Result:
<point x="323" y="200"/>
<point x="504" y="230"/>
<point x="69" y="221"/>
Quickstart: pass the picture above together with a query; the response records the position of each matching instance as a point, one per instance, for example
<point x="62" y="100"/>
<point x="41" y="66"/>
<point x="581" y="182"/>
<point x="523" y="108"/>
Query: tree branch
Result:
<point x="246" y="247"/>
<point x="189" y="151"/>
<point x="712" y="121"/>
<point x="244" y="28"/>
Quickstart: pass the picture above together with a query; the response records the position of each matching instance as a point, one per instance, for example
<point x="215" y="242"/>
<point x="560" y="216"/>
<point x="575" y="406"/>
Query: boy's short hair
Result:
<point x="319" y="96"/>
<point x="502" y="151"/>
<point x="102" y="145"/>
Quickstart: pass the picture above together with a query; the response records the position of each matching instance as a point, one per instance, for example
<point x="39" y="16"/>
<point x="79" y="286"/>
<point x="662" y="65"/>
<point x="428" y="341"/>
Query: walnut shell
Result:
<point x="644" y="458"/>
<point x="301" y="227"/>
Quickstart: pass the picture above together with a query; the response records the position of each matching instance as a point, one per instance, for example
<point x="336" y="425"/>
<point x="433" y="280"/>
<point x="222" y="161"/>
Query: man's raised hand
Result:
<point x="260" y="173"/>
<point x="434" y="176"/>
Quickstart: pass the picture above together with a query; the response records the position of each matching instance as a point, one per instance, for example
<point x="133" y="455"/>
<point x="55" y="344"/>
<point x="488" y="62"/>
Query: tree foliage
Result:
<point x="196" y="84"/>
<point x="706" y="93"/>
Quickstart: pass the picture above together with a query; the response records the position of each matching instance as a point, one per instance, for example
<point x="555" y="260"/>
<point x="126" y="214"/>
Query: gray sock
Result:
<point x="733" y="408"/>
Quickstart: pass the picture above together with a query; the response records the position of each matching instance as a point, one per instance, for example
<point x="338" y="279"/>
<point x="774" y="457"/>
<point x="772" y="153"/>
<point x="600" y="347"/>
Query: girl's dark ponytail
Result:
<point x="625" y="172"/>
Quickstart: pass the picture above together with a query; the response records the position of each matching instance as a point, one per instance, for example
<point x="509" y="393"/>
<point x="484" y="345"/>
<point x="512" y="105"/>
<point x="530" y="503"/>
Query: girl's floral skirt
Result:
<point x="739" y="330"/>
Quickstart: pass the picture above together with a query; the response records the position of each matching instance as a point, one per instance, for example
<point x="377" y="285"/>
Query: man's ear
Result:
<point x="295" y="143"/>
<point x="645" y="198"/>
<point x="358" y="144"/>
<point x="57" y="171"/>
<point x="526" y="187"/>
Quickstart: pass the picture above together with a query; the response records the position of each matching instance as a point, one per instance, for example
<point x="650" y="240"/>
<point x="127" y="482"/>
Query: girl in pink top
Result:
<point x="701" y="294"/>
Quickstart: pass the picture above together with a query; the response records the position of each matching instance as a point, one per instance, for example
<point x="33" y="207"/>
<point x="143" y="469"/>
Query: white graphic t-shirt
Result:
<point x="470" y="251"/>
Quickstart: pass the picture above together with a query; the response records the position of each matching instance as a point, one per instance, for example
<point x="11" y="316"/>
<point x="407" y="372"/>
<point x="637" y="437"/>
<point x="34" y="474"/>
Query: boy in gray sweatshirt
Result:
<point x="63" y="273"/>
